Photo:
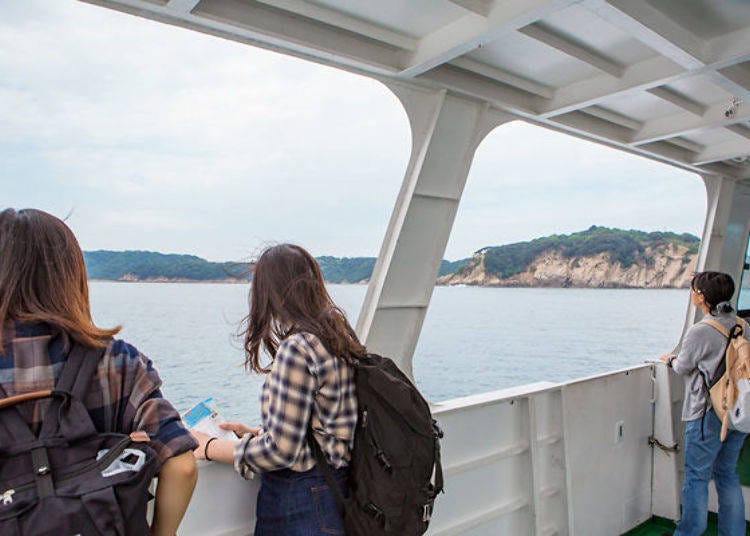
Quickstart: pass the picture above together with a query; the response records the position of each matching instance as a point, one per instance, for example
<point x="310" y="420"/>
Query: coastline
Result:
<point x="164" y="280"/>
<point x="363" y="283"/>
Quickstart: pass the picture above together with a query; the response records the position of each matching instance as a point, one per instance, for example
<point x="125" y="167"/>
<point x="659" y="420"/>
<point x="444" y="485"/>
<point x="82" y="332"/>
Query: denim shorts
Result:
<point x="299" y="504"/>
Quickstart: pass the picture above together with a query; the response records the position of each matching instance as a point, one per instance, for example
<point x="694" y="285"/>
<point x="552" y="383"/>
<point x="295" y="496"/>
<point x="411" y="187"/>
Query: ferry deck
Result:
<point x="667" y="80"/>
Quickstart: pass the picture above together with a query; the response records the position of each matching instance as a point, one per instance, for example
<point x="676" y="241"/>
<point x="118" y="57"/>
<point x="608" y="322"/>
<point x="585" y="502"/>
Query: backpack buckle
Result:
<point x="383" y="459"/>
<point x="375" y="512"/>
<point x="436" y="429"/>
<point x="427" y="513"/>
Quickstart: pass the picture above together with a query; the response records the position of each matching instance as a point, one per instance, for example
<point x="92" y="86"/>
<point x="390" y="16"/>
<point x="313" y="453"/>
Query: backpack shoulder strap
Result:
<point x="324" y="468"/>
<point x="716" y="325"/>
<point x="74" y="380"/>
<point x="742" y="323"/>
<point x="78" y="370"/>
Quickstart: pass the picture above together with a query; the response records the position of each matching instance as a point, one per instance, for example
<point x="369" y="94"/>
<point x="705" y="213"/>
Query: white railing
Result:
<point x="545" y="459"/>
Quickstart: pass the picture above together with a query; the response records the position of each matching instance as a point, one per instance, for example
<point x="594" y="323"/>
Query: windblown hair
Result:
<point x="288" y="296"/>
<point x="716" y="288"/>
<point x="43" y="277"/>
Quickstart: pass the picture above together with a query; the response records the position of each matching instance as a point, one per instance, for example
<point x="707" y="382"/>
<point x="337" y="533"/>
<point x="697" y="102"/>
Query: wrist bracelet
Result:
<point x="205" y="448"/>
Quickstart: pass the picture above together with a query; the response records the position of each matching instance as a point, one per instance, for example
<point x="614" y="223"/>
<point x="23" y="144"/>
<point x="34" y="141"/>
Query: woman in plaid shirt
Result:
<point x="309" y="380"/>
<point x="44" y="308"/>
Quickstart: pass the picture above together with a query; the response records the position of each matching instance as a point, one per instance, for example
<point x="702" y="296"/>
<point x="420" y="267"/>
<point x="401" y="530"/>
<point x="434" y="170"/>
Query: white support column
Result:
<point x="446" y="130"/>
<point x="726" y="230"/>
<point x="720" y="196"/>
<point x="720" y="191"/>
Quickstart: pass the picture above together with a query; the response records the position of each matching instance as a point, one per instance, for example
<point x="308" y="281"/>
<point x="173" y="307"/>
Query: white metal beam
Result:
<point x="661" y="33"/>
<point x="480" y="7"/>
<point x="473" y="30"/>
<point x="740" y="130"/>
<point x="613" y="117"/>
<point x="686" y="144"/>
<point x="722" y="151"/>
<point x="182" y="6"/>
<point x="640" y="76"/>
<point x="271" y="23"/>
<point x="482" y="87"/>
<point x="723" y="169"/>
<point x="503" y="76"/>
<point x="675" y="98"/>
<point x="681" y="55"/>
<point x="577" y="124"/>
<point x="446" y="130"/>
<point x="275" y="29"/>
<point x="685" y="122"/>
<point x="667" y="149"/>
<point x="653" y="28"/>
<point x="734" y="79"/>
<point x="739" y="74"/>
<point x="575" y="50"/>
<point x="346" y="22"/>
<point x="728" y="49"/>
<point x="585" y="122"/>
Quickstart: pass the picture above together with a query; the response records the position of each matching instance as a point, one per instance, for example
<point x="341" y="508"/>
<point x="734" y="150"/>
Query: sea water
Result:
<point x="473" y="340"/>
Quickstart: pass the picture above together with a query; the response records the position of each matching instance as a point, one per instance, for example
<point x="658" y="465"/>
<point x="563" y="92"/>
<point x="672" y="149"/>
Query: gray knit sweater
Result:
<point x="700" y="354"/>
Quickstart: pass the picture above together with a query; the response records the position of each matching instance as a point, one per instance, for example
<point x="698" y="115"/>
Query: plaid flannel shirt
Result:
<point x="124" y="395"/>
<point x="306" y="382"/>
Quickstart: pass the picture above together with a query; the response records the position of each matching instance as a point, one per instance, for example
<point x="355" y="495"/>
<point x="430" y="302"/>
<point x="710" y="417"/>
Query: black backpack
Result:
<point x="70" y="479"/>
<point x="396" y="453"/>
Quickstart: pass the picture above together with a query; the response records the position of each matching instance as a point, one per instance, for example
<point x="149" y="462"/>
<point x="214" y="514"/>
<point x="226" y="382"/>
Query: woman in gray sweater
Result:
<point x="706" y="456"/>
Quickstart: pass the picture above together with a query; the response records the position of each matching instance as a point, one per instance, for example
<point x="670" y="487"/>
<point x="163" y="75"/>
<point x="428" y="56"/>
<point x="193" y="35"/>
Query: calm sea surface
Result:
<point x="474" y="339"/>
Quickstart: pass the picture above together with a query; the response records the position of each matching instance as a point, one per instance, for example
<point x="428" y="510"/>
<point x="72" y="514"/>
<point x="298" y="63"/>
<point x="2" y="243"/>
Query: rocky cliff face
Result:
<point x="669" y="266"/>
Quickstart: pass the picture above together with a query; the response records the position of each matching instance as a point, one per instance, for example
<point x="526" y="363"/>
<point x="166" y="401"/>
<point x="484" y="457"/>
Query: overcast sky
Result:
<point x="153" y="137"/>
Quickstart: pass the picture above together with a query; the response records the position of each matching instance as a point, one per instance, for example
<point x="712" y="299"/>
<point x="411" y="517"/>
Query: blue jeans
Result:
<point x="299" y="504"/>
<point x="704" y="459"/>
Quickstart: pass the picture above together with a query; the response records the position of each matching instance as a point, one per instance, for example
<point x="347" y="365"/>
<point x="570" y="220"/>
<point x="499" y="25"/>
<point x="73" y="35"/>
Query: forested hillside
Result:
<point x="152" y="266"/>
<point x="598" y="257"/>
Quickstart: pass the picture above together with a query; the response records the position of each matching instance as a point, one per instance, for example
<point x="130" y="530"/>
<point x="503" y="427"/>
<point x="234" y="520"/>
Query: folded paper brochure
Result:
<point x="204" y="417"/>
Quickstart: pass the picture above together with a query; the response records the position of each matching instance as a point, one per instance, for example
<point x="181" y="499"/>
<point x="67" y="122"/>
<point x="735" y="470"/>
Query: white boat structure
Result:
<point x="665" y="79"/>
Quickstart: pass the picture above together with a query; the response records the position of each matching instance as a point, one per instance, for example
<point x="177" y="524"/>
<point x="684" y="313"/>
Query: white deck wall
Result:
<point x="540" y="459"/>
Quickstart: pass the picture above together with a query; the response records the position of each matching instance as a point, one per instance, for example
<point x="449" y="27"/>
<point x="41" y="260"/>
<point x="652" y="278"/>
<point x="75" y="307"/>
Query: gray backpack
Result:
<point x="730" y="386"/>
<point x="70" y="479"/>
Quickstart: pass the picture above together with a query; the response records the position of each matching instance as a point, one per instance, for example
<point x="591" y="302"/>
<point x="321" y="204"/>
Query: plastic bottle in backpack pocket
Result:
<point x="739" y="414"/>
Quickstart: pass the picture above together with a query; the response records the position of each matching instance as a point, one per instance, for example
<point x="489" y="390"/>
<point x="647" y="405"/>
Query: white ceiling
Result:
<point x="654" y="77"/>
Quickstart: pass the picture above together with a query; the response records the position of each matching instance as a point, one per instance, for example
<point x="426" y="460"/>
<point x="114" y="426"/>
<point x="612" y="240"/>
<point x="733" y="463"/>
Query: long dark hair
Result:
<point x="288" y="295"/>
<point x="43" y="277"/>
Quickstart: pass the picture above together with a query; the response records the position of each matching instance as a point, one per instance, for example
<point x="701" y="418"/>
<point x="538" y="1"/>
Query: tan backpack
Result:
<point x="730" y="385"/>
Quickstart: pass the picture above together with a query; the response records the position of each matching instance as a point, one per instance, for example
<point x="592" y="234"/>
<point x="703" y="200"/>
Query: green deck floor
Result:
<point x="743" y="464"/>
<point x="657" y="526"/>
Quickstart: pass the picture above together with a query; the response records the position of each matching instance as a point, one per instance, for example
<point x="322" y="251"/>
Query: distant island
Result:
<point x="150" y="266"/>
<point x="599" y="257"/>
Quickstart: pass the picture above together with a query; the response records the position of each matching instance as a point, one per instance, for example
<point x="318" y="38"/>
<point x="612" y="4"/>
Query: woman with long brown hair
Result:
<point x="45" y="318"/>
<point x="309" y="386"/>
